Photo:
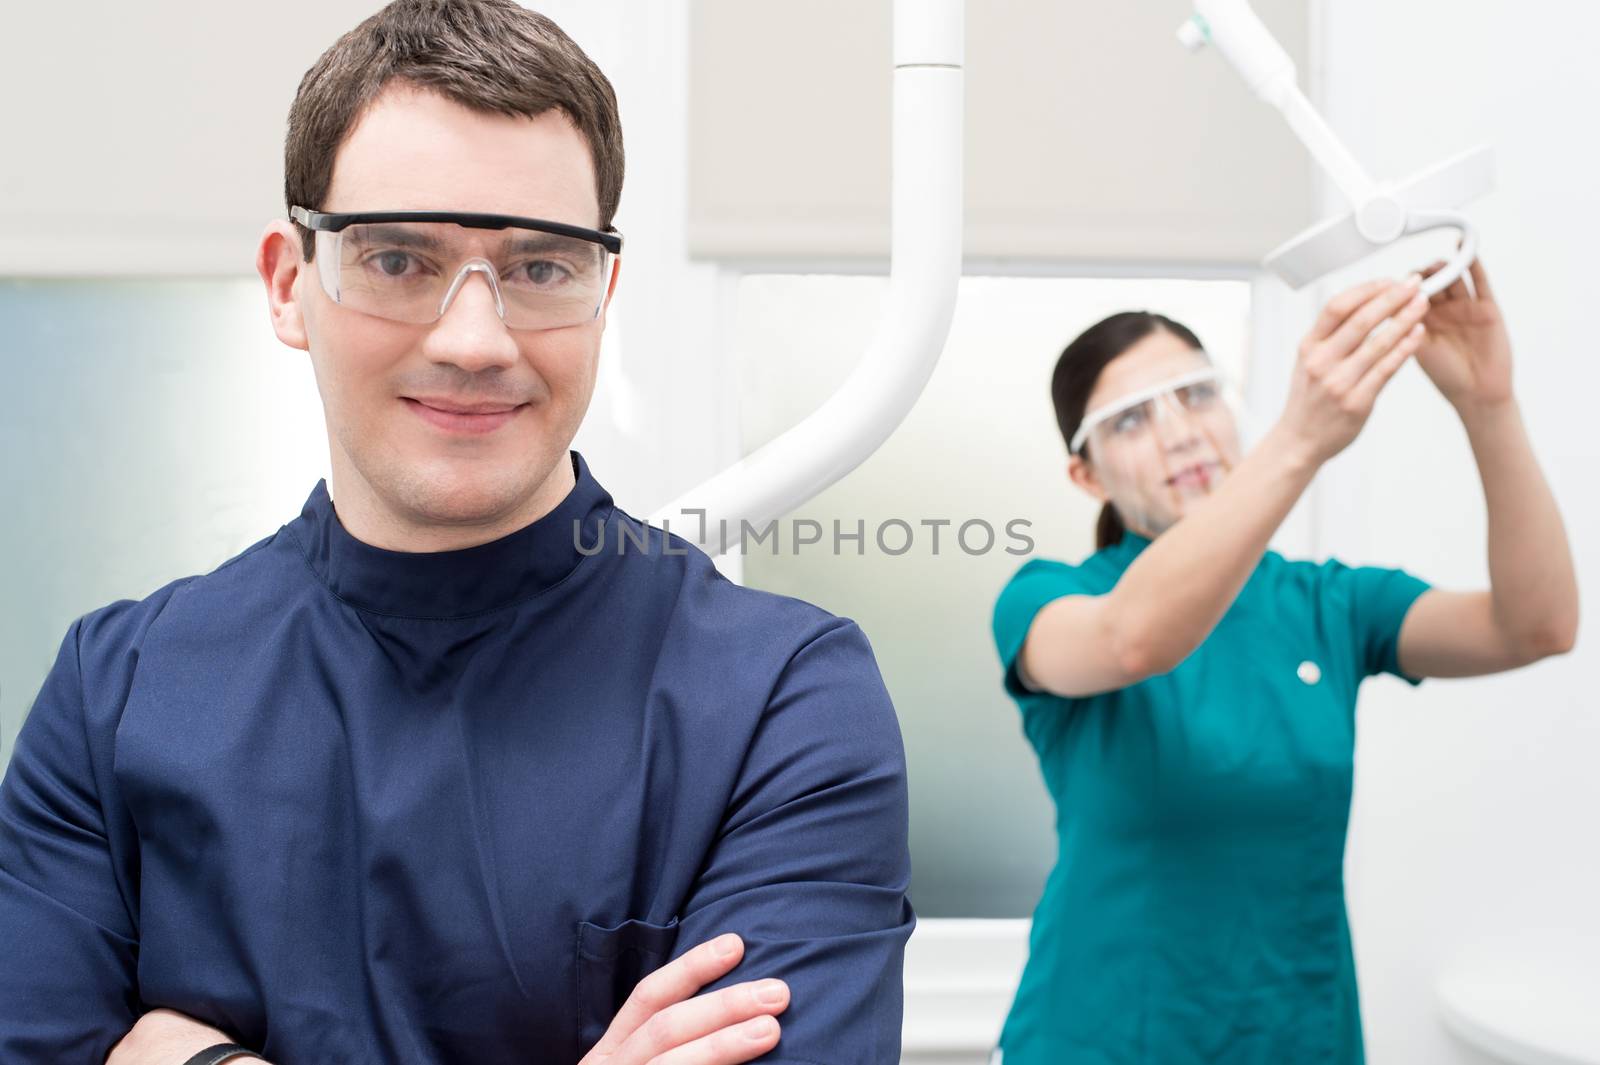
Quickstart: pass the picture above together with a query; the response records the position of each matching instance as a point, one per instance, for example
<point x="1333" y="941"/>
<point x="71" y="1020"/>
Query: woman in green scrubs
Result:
<point x="1191" y="695"/>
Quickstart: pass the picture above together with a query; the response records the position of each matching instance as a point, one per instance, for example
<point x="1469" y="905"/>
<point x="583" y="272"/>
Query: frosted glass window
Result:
<point x="152" y="430"/>
<point x="981" y="444"/>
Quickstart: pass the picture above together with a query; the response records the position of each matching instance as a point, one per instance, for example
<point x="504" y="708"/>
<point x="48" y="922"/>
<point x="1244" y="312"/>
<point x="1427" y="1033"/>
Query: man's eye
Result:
<point x="544" y="273"/>
<point x="391" y="263"/>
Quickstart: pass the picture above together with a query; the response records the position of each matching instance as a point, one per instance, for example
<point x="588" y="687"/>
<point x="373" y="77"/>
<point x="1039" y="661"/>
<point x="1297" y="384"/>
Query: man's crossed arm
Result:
<point x="664" y="1021"/>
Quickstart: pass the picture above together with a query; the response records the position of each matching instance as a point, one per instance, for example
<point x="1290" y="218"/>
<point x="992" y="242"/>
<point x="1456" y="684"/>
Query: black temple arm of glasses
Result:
<point x="607" y="238"/>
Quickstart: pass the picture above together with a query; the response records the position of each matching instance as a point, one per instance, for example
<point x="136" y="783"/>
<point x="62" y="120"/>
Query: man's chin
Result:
<point x="463" y="492"/>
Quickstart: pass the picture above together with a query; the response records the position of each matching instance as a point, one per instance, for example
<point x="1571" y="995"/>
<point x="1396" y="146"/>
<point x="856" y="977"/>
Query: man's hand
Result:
<point x="664" y="1023"/>
<point x="164" y="1037"/>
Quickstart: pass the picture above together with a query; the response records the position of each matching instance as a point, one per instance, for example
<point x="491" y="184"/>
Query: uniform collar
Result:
<point x="448" y="584"/>
<point x="1132" y="543"/>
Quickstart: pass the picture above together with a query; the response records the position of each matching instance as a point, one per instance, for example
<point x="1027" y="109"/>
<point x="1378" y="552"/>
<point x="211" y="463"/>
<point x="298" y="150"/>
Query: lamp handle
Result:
<point x="1420" y="221"/>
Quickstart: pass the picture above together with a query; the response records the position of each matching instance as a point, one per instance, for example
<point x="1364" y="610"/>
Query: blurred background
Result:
<point x="155" y="427"/>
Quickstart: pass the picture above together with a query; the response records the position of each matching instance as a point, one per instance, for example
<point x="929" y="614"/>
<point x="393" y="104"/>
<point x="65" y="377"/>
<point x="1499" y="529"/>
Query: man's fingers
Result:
<point x="730" y="1046"/>
<point x="674" y="982"/>
<point x="1348" y="337"/>
<point x="1366" y="390"/>
<point x="685" y="1023"/>
<point x="1341" y="306"/>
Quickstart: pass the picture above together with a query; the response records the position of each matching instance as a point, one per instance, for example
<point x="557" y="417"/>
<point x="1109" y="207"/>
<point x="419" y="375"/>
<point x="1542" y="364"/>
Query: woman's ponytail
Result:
<point x="1109" y="529"/>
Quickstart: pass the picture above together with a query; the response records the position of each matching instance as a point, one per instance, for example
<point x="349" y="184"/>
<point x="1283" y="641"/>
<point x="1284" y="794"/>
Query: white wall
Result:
<point x="1474" y="835"/>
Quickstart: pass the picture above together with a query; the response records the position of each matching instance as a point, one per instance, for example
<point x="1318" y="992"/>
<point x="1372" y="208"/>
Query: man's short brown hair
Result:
<point x="493" y="56"/>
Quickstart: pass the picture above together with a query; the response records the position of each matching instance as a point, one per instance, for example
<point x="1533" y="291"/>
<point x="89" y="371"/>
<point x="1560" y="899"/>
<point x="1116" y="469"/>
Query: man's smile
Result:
<point x="462" y="416"/>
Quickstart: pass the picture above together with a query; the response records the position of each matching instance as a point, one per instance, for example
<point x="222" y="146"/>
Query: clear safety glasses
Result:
<point x="1162" y="446"/>
<point x="408" y="265"/>
<point x="1136" y="414"/>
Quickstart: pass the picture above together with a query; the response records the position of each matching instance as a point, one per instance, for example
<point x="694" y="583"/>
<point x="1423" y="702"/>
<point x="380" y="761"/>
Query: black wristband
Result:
<point x="221" y="1052"/>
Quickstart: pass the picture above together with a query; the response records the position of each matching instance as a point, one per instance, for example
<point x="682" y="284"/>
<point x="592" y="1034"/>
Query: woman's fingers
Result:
<point x="1427" y="272"/>
<point x="1341" y="306"/>
<point x="1356" y="327"/>
<point x="1365" y="393"/>
<point x="717" y="1023"/>
<point x="1459" y="289"/>
<point x="1339" y="376"/>
<point x="674" y="982"/>
<point x="1378" y="344"/>
<point x="730" y="1046"/>
<point x="1480" y="280"/>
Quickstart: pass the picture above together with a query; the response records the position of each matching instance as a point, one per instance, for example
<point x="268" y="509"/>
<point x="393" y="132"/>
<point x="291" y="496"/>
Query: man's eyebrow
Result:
<point x="523" y="242"/>
<point x="398" y="236"/>
<point x="526" y="241"/>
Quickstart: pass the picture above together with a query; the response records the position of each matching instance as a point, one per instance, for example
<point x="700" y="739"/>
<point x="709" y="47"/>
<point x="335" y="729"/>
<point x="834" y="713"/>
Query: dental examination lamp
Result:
<point x="924" y="266"/>
<point x="1382" y="212"/>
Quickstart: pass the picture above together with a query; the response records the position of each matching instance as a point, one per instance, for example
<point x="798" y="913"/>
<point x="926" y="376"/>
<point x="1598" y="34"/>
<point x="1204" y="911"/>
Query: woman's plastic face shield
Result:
<point x="406" y="266"/>
<point x="1159" y="448"/>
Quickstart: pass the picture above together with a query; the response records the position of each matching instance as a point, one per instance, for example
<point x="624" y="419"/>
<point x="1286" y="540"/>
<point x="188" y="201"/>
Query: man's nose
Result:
<point x="470" y="334"/>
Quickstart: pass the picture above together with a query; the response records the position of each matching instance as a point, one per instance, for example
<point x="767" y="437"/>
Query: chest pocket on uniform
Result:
<point x="611" y="961"/>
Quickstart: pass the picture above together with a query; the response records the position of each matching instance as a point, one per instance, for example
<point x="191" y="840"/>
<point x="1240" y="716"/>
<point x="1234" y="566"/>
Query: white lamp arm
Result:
<point x="924" y="267"/>
<point x="1381" y="213"/>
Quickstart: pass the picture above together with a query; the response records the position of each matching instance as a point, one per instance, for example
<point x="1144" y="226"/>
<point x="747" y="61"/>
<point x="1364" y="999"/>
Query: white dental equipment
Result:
<point x="924" y="267"/>
<point x="1382" y="212"/>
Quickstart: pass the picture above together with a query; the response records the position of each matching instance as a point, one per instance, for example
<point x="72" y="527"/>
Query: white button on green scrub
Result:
<point x="1196" y="911"/>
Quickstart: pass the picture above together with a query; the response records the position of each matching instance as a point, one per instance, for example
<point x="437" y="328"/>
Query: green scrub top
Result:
<point x="1196" y="910"/>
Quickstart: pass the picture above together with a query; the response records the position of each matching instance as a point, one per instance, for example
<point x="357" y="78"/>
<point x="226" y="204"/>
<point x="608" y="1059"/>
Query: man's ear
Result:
<point x="280" y="262"/>
<point x="1081" y="472"/>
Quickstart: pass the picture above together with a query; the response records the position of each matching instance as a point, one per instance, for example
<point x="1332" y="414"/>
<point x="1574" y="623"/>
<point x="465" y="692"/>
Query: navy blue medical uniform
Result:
<point x="357" y="805"/>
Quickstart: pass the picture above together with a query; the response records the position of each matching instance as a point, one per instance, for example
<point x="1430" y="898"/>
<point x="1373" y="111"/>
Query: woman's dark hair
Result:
<point x="1078" y="370"/>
